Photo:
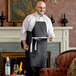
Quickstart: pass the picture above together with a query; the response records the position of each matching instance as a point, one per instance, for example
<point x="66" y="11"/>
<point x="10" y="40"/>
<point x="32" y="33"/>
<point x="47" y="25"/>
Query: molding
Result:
<point x="13" y="28"/>
<point x="72" y="48"/>
<point x="10" y="28"/>
<point x="63" y="28"/>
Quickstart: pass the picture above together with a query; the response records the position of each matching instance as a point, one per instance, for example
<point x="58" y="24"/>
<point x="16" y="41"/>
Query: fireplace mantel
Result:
<point x="12" y="34"/>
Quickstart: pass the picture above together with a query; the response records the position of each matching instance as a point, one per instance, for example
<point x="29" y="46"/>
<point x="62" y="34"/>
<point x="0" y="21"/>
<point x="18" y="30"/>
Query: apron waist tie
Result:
<point x="37" y="39"/>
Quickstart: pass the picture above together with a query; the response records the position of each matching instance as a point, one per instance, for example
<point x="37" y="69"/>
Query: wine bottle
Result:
<point x="7" y="67"/>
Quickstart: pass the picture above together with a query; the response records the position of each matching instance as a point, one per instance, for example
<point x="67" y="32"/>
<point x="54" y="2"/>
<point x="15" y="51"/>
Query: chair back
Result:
<point x="65" y="58"/>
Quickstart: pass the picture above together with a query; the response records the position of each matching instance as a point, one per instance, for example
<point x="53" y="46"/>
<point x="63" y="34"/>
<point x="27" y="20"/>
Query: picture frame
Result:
<point x="19" y="9"/>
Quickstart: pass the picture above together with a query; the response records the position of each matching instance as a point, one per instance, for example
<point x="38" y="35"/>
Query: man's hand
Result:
<point x="51" y="38"/>
<point x="26" y="47"/>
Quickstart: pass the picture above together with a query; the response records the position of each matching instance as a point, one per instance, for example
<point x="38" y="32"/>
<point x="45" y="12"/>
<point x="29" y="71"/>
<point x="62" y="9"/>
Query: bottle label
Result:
<point x="7" y="70"/>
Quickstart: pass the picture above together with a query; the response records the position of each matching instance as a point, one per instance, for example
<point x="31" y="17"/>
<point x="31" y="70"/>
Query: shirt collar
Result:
<point x="38" y="15"/>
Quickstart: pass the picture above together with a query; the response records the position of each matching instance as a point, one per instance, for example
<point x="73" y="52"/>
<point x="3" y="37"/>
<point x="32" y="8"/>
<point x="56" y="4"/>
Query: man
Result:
<point x="40" y="27"/>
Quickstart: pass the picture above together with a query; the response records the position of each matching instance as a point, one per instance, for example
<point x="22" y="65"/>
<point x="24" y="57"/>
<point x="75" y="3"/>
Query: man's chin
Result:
<point x="41" y="13"/>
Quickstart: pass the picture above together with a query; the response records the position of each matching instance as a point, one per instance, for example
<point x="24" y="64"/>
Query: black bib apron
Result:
<point x="38" y="57"/>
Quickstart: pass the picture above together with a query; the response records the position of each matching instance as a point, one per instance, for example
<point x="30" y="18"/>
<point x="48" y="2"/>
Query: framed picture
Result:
<point x="19" y="9"/>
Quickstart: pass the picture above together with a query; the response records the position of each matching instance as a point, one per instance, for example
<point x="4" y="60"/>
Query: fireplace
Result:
<point x="53" y="48"/>
<point x="16" y="58"/>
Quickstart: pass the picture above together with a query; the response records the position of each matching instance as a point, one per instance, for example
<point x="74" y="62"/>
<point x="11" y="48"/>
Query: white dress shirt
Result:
<point x="29" y="23"/>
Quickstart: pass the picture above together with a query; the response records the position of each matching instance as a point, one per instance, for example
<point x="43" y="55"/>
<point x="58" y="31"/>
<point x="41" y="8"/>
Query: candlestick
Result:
<point x="2" y="18"/>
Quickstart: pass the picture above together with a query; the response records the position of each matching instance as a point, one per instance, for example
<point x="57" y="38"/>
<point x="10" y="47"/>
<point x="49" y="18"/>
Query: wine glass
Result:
<point x="16" y="68"/>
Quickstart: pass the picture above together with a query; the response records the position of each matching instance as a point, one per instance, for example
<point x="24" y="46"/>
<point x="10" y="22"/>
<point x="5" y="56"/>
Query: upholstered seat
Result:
<point x="63" y="62"/>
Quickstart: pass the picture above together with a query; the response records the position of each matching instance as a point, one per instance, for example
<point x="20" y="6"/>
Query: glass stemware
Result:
<point x="16" y="68"/>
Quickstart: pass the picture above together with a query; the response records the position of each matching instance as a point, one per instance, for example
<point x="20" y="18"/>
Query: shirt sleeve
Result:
<point x="50" y="29"/>
<point x="24" y="28"/>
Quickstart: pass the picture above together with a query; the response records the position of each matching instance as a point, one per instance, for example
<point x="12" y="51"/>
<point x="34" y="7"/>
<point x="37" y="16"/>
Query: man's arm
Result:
<point x="50" y="31"/>
<point x="24" y="28"/>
